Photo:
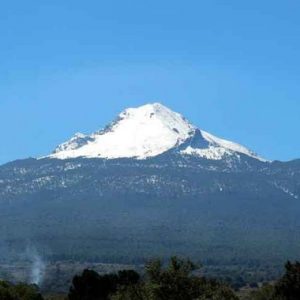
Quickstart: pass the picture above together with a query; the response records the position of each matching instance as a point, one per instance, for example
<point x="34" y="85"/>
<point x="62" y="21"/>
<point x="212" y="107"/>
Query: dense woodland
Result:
<point x="176" y="280"/>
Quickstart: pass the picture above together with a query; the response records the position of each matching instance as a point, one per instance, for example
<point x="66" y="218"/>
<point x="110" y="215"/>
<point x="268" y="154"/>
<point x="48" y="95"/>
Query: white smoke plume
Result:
<point x="38" y="266"/>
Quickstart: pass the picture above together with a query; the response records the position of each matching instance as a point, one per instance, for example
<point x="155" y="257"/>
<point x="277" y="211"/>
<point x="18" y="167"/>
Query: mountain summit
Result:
<point x="148" y="131"/>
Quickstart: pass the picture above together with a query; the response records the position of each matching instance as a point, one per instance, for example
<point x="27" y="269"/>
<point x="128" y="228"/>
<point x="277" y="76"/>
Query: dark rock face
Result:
<point x="127" y="210"/>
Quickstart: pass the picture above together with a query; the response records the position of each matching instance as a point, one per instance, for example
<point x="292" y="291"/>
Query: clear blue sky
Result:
<point x="231" y="67"/>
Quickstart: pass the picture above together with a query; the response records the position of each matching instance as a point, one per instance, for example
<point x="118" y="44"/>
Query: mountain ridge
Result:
<point x="148" y="131"/>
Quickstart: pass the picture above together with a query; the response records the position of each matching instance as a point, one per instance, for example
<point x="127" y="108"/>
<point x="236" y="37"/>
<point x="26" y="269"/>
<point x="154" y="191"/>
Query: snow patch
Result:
<point x="213" y="153"/>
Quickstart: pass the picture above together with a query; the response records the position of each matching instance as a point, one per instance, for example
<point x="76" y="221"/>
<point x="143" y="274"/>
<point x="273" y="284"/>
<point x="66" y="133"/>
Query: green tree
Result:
<point x="5" y="292"/>
<point x="288" y="287"/>
<point x="19" y="292"/>
<point x="266" y="292"/>
<point x="175" y="282"/>
<point x="92" y="286"/>
<point x="172" y="282"/>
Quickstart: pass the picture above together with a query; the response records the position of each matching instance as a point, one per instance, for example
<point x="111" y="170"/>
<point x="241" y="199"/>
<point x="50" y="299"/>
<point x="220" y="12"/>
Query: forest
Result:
<point x="175" y="280"/>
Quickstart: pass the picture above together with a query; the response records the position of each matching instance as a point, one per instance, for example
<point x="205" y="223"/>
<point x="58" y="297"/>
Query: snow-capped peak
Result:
<point x="142" y="132"/>
<point x="148" y="131"/>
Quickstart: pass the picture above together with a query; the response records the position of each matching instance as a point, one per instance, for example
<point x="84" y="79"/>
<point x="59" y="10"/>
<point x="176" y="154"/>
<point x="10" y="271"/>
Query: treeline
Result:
<point x="286" y="288"/>
<point x="20" y="291"/>
<point x="174" y="281"/>
<point x="177" y="282"/>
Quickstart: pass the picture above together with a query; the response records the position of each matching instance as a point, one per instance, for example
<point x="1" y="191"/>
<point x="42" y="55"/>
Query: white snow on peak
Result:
<point x="148" y="131"/>
<point x="211" y="152"/>
<point x="74" y="143"/>
<point x="226" y="144"/>
<point x="142" y="132"/>
<point x="220" y="147"/>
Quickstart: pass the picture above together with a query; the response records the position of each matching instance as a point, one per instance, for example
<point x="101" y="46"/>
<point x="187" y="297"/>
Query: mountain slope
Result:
<point x="130" y="210"/>
<point x="125" y="194"/>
